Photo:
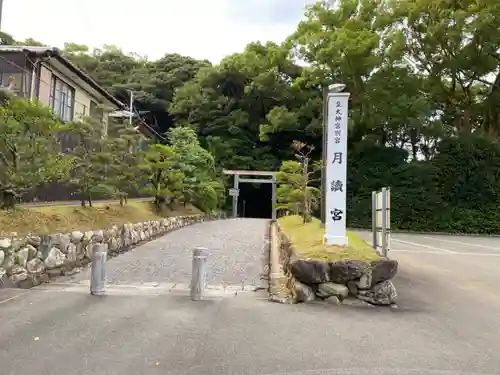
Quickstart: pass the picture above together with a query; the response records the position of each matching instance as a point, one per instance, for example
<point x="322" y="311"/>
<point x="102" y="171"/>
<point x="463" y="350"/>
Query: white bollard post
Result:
<point x="198" y="275"/>
<point x="384" y="222"/>
<point x="98" y="269"/>
<point x="374" y="220"/>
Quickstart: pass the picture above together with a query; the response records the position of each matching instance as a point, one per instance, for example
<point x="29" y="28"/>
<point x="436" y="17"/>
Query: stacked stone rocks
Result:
<point x="340" y="282"/>
<point x="353" y="282"/>
<point x="26" y="261"/>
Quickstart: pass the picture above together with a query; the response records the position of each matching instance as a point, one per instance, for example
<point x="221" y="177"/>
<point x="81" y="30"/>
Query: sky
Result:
<point x="203" y="29"/>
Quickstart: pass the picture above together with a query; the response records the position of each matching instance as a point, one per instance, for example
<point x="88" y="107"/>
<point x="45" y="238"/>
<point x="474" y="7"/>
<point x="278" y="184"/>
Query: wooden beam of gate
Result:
<point x="257" y="180"/>
<point x="249" y="173"/>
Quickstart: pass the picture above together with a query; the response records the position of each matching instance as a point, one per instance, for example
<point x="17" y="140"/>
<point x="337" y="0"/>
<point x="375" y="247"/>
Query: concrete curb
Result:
<point x="275" y="269"/>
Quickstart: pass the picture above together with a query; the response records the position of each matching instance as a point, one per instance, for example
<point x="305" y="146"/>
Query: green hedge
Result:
<point x="457" y="191"/>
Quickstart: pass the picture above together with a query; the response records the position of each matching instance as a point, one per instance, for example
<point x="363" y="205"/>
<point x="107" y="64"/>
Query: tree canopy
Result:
<point x="424" y="116"/>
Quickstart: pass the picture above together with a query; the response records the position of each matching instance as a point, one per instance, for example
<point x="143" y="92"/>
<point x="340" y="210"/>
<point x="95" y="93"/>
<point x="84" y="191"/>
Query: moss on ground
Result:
<point x="56" y="219"/>
<point x="307" y="240"/>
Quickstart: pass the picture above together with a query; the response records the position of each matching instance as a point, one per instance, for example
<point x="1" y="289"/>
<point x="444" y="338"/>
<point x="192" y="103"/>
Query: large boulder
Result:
<point x="379" y="270"/>
<point x="22" y="256"/>
<point x="18" y="273"/>
<point x="35" y="266"/>
<point x="383" y="293"/>
<point x="5" y="243"/>
<point x="61" y="241"/>
<point x="76" y="236"/>
<point x="311" y="271"/>
<point x="34" y="240"/>
<point x="382" y="270"/>
<point x="327" y="290"/>
<point x="18" y="244"/>
<point x="303" y="292"/>
<point x="55" y="258"/>
<point x="344" y="271"/>
<point x="44" y="247"/>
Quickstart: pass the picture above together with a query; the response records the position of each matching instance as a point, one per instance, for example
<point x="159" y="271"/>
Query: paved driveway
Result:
<point x="448" y="323"/>
<point x="452" y="285"/>
<point x="456" y="277"/>
<point x="236" y="256"/>
<point x="442" y="270"/>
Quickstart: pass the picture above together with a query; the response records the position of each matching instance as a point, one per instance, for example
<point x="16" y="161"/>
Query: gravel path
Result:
<point x="235" y="246"/>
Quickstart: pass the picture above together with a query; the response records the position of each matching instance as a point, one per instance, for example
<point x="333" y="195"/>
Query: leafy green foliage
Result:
<point x="424" y="118"/>
<point x="29" y="151"/>
<point x="127" y="147"/>
<point x="162" y="179"/>
<point x="92" y="159"/>
<point x="294" y="192"/>
<point x="457" y="191"/>
<point x="200" y="183"/>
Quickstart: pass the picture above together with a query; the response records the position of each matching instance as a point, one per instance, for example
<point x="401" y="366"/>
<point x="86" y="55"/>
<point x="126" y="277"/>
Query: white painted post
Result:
<point x="384" y="222"/>
<point x="98" y="269"/>
<point x="198" y="273"/>
<point x="388" y="220"/>
<point x="336" y="169"/>
<point x="324" y="146"/>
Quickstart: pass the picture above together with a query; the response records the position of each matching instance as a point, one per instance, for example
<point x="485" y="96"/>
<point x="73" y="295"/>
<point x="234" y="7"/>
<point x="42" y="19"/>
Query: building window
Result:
<point x="62" y="99"/>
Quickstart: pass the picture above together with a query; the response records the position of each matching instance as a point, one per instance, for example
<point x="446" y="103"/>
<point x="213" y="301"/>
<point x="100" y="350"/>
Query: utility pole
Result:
<point x="131" y="105"/>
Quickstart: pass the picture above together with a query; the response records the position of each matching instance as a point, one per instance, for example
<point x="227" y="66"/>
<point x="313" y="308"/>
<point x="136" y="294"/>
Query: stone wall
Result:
<point x="350" y="282"/>
<point x="31" y="260"/>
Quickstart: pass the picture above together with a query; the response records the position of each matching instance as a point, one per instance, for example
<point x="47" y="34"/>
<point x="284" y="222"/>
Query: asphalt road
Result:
<point x="447" y="323"/>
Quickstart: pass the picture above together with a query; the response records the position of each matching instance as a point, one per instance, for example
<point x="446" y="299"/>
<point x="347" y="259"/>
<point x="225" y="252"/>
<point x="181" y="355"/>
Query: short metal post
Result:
<point x="98" y="269"/>
<point x="384" y="222"/>
<point x="198" y="275"/>
<point x="374" y="219"/>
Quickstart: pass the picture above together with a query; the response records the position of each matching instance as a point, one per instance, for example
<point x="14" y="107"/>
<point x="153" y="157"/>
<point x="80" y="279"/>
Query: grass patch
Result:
<point x="308" y="243"/>
<point x="56" y="219"/>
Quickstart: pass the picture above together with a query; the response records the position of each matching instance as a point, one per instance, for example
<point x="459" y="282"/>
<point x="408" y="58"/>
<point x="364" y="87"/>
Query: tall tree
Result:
<point x="456" y="46"/>
<point x="346" y="43"/>
<point x="127" y="148"/>
<point x="162" y="179"/>
<point x="29" y="150"/>
<point x="294" y="178"/>
<point x="92" y="159"/>
<point x="201" y="185"/>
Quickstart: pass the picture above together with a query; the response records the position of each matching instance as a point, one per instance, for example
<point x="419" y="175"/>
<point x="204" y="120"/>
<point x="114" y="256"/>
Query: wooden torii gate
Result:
<point x="235" y="191"/>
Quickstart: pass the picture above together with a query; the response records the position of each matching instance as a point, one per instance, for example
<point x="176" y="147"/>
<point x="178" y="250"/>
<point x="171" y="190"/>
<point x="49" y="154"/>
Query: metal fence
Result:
<point x="381" y="221"/>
